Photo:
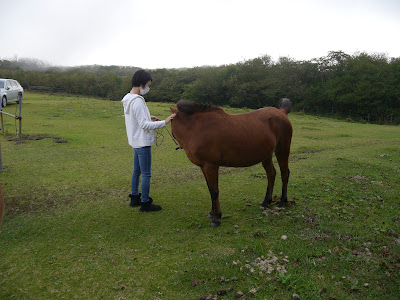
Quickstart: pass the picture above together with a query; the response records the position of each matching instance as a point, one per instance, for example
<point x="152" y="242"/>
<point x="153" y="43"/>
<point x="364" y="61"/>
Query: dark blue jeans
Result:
<point x="141" y="166"/>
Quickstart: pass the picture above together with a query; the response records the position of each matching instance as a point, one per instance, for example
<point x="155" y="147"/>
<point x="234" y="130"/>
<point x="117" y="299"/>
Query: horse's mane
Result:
<point x="190" y="108"/>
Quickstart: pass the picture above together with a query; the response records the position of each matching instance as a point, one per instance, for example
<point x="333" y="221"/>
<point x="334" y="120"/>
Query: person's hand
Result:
<point x="153" y="118"/>
<point x="167" y="120"/>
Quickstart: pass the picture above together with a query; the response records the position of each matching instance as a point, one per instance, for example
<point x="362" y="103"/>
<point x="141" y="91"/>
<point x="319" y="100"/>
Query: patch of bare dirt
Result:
<point x="31" y="137"/>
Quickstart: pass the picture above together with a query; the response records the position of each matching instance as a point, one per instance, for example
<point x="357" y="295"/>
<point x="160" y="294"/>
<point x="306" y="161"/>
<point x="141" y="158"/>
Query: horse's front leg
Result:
<point x="210" y="173"/>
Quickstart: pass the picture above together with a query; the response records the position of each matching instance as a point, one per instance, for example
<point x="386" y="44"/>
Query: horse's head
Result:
<point x="186" y="112"/>
<point x="175" y="111"/>
<point x="181" y="114"/>
<point x="176" y="125"/>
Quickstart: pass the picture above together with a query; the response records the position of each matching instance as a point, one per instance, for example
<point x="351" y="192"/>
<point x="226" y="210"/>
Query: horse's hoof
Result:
<point x="210" y="216"/>
<point x="282" y="203"/>
<point x="215" y="224"/>
<point x="267" y="202"/>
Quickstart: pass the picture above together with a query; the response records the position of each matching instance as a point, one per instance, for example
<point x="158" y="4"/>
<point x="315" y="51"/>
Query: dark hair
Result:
<point x="140" y="78"/>
<point x="190" y="108"/>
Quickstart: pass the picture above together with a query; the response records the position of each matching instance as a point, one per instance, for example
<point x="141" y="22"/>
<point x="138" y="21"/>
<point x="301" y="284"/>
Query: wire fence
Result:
<point x="44" y="89"/>
<point x="353" y="116"/>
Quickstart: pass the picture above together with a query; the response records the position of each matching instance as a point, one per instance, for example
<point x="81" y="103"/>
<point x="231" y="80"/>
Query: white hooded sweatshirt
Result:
<point x="139" y="126"/>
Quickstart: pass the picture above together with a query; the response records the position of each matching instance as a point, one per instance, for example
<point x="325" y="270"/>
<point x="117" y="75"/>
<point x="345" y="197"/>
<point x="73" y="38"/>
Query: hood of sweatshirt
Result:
<point x="128" y="100"/>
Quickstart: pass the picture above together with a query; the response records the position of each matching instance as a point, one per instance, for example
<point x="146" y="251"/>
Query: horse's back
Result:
<point x="267" y="120"/>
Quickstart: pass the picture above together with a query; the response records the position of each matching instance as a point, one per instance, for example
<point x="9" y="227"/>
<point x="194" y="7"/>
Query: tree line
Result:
<point x="359" y="86"/>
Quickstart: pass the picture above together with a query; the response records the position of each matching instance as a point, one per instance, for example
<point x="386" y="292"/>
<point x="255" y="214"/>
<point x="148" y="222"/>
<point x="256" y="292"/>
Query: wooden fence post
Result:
<point x="1" y="162"/>
<point x="2" y="123"/>
<point x="1" y="205"/>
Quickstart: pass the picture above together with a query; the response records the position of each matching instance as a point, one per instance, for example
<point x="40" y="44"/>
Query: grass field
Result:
<point x="68" y="231"/>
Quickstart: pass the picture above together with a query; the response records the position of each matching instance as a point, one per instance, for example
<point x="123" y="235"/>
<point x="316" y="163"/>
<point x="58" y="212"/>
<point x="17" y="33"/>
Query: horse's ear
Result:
<point x="174" y="110"/>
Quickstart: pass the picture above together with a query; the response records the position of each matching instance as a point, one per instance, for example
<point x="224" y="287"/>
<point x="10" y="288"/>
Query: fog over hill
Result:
<point x="37" y="65"/>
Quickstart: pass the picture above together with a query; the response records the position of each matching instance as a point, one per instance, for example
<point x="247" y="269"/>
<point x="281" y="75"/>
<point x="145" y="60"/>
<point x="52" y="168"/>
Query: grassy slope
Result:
<point x="68" y="231"/>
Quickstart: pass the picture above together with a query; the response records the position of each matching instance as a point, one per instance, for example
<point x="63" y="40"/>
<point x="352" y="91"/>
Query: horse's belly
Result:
<point x="244" y="155"/>
<point x="238" y="164"/>
<point x="241" y="161"/>
<point x="230" y="151"/>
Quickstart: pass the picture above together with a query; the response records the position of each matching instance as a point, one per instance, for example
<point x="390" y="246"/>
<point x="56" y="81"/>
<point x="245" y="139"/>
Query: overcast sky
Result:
<point x="189" y="33"/>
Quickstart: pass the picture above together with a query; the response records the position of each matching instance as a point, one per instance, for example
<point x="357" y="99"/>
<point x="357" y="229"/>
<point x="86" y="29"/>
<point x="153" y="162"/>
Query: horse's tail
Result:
<point x="285" y="105"/>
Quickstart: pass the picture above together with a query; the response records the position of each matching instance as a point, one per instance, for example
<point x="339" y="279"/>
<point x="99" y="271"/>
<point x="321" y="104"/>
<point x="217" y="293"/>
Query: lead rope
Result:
<point x="159" y="135"/>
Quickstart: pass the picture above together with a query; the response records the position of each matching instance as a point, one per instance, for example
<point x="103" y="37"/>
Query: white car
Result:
<point x="10" y="91"/>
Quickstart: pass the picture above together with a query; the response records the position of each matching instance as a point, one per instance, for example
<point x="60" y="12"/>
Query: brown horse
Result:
<point x="212" y="138"/>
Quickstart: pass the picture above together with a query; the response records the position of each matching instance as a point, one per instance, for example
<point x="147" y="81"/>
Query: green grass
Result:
<point x="68" y="231"/>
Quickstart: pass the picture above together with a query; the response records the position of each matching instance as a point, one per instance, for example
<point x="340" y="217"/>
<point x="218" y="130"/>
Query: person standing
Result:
<point x="140" y="127"/>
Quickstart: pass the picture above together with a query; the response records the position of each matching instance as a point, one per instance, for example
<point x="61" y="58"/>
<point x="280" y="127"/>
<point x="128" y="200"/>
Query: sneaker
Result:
<point x="135" y="200"/>
<point x="149" y="206"/>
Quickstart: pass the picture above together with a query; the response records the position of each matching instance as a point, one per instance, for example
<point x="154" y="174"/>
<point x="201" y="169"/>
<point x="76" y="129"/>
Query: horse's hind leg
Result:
<point x="271" y="174"/>
<point x="210" y="173"/>
<point x="283" y="160"/>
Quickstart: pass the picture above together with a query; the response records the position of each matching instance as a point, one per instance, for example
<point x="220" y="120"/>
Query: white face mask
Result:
<point x="144" y="91"/>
